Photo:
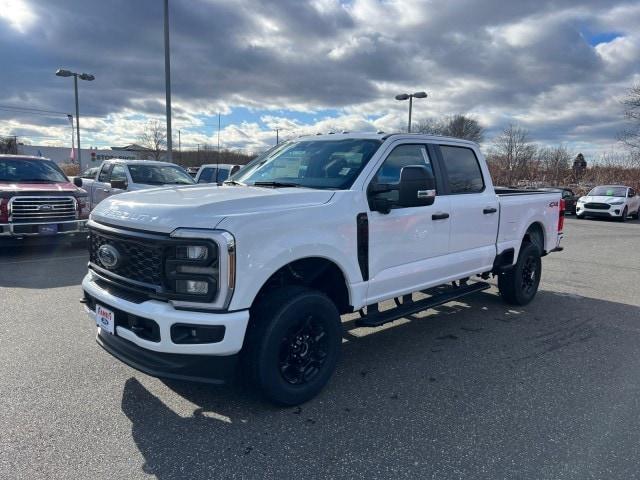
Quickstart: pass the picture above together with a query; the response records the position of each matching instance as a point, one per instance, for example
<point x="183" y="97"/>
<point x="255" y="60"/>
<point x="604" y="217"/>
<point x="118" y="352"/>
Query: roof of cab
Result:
<point x="384" y="136"/>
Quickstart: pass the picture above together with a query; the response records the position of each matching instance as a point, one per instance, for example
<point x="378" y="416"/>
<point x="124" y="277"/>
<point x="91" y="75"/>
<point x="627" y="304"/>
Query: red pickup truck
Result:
<point x="38" y="200"/>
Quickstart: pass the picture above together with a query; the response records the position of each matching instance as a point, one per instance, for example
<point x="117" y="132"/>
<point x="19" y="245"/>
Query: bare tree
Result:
<point x="154" y="137"/>
<point x="631" y="135"/>
<point x="555" y="164"/>
<point x="430" y="126"/>
<point x="459" y="125"/>
<point x="512" y="156"/>
<point x="463" y="126"/>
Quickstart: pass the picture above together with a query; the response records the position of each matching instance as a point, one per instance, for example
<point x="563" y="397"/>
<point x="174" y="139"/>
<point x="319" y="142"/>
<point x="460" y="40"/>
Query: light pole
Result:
<point x="410" y="97"/>
<point x="167" y="80"/>
<point x="82" y="76"/>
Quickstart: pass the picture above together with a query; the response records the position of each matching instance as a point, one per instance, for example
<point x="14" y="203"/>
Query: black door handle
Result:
<point x="487" y="211"/>
<point x="439" y="216"/>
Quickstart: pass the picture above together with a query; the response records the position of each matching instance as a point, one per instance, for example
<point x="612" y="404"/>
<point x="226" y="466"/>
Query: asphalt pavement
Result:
<point x="473" y="389"/>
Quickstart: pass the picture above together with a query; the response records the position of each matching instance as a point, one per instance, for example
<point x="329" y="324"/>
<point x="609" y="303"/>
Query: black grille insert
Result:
<point x="141" y="261"/>
<point x="597" y="206"/>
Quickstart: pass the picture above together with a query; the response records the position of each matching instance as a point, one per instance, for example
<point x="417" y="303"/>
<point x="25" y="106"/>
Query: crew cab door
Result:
<point x="474" y="210"/>
<point x="406" y="244"/>
<point x="101" y="188"/>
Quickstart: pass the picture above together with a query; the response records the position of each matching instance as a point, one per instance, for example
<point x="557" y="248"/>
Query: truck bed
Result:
<point x="519" y="209"/>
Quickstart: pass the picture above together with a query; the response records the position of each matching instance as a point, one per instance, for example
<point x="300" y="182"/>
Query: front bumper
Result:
<point x="32" y="229"/>
<point x="195" y="368"/>
<point x="160" y="356"/>
<point x="615" y="211"/>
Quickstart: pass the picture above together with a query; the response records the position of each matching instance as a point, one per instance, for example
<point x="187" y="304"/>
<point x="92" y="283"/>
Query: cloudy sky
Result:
<point x="558" y="68"/>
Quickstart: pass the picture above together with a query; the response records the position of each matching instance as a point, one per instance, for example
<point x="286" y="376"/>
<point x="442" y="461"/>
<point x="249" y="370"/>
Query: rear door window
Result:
<point x="104" y="173"/>
<point x="462" y="170"/>
<point x="207" y="175"/>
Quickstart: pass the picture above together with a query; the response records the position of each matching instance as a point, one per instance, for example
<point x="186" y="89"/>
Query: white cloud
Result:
<point x="18" y="14"/>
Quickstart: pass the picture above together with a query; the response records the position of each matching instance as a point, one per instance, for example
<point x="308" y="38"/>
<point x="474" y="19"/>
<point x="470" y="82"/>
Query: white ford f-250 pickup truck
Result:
<point x="184" y="281"/>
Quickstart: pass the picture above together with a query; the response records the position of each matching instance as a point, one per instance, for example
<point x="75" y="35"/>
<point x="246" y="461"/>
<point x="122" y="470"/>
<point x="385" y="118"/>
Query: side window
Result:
<point x="104" y="173"/>
<point x="567" y="194"/>
<point x="462" y="169"/>
<point x="223" y="174"/>
<point x="118" y="173"/>
<point x="206" y="175"/>
<point x="401" y="156"/>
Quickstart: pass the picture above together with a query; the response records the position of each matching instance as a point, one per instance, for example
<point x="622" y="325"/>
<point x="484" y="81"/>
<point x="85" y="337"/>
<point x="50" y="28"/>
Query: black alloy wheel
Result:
<point x="303" y="351"/>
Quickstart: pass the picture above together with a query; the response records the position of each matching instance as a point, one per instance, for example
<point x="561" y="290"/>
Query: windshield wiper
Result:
<point x="233" y="182"/>
<point x="276" y="184"/>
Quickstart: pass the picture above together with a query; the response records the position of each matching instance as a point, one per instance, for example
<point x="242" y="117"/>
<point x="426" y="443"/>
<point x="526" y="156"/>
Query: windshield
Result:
<point x="159" y="175"/>
<point x="332" y="164"/>
<point x="26" y="170"/>
<point x="608" y="192"/>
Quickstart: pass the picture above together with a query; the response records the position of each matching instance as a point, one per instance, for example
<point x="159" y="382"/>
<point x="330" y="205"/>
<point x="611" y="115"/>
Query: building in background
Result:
<point x="91" y="157"/>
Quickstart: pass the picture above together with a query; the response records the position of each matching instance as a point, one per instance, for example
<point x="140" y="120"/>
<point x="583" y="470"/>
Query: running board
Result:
<point x="377" y="318"/>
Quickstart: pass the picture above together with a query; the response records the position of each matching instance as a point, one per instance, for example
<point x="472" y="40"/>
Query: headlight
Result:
<point x="616" y="203"/>
<point x="201" y="268"/>
<point x="581" y="200"/>
<point x="192" y="287"/>
<point x="192" y="252"/>
<point x="192" y="270"/>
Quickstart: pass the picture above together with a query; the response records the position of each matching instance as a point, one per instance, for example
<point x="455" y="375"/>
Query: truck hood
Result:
<point x="38" y="187"/>
<point x="199" y="206"/>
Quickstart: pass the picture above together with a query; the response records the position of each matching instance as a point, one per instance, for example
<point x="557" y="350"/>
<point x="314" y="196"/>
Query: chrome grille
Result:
<point x="42" y="208"/>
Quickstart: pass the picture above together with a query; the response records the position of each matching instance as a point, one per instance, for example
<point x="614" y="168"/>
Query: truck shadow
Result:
<point x="42" y="266"/>
<point x="421" y="398"/>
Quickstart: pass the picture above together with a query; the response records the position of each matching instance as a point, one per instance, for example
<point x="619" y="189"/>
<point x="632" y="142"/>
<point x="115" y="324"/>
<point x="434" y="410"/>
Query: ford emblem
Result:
<point x="46" y="208"/>
<point x="109" y="256"/>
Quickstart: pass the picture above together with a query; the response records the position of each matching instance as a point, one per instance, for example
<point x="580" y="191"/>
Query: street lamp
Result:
<point x="410" y="97"/>
<point x="82" y="76"/>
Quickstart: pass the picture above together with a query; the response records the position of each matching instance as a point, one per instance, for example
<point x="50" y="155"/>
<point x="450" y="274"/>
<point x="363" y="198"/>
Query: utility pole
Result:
<point x="167" y="80"/>
<point x="179" y="146"/>
<point x="277" y="136"/>
<point x="218" y="154"/>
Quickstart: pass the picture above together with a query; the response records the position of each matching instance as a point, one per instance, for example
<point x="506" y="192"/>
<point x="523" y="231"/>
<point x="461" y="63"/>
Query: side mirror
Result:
<point x="77" y="181"/>
<point x="119" y="184"/>
<point x="417" y="187"/>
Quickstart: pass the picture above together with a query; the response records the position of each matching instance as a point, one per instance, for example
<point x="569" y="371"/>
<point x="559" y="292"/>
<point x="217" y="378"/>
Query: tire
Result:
<point x="638" y="214"/>
<point x="519" y="285"/>
<point x="579" y="217"/>
<point x="292" y="345"/>
<point x="623" y="217"/>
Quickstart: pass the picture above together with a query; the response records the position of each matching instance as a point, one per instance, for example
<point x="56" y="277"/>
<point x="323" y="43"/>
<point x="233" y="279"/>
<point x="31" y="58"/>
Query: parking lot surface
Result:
<point x="473" y="389"/>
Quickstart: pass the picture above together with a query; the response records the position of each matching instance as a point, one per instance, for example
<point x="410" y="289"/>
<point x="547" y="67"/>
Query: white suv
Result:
<point x="609" y="201"/>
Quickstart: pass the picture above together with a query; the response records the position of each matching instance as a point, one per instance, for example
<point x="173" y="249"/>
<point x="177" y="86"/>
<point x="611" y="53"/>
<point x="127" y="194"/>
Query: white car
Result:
<point x="184" y="281"/>
<point x="215" y="173"/>
<point x="609" y="201"/>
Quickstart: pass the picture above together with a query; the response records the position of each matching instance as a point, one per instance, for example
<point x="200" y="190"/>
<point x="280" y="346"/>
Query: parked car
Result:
<point x="37" y="199"/>
<point x="570" y="198"/>
<point x="216" y="173"/>
<point x="193" y="171"/>
<point x="118" y="176"/>
<point x="184" y="282"/>
<point x="609" y="201"/>
<point x="90" y="173"/>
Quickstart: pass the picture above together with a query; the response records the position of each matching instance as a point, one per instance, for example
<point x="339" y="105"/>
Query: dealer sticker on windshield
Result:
<point x="105" y="319"/>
